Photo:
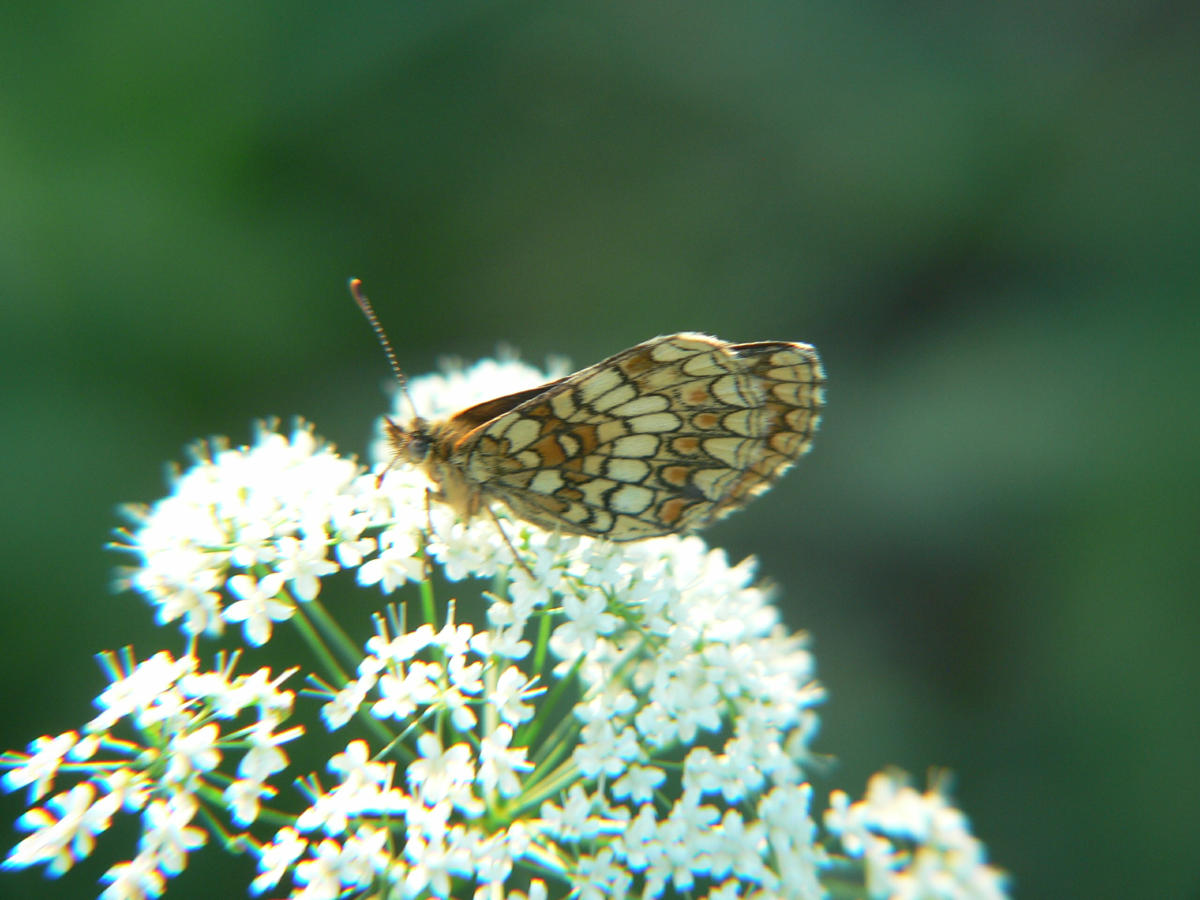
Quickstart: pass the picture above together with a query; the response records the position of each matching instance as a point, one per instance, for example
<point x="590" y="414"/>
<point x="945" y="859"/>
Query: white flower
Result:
<point x="444" y="774"/>
<point x="275" y="858"/>
<point x="639" y="844"/>
<point x="355" y="767"/>
<point x="169" y="836"/>
<point x="493" y="856"/>
<point x="142" y="689"/>
<point x="466" y="550"/>
<point x="455" y="638"/>
<point x="510" y="695"/>
<point x="303" y="563"/>
<point x="435" y="856"/>
<point x="463" y="684"/>
<point x="63" y="831"/>
<point x="321" y="875"/>
<point x="230" y="695"/>
<point x="264" y="758"/>
<point x="45" y="756"/>
<point x="638" y="783"/>
<point x="738" y="848"/>
<point x="509" y="643"/>
<point x="401" y="696"/>
<point x="197" y="604"/>
<point x="601" y="876"/>
<point x="914" y="844"/>
<point x="364" y="788"/>
<point x="396" y="564"/>
<point x="573" y="821"/>
<point x="348" y="525"/>
<point x="499" y="764"/>
<point x="244" y="797"/>
<point x="363" y="855"/>
<point x="259" y="605"/>
<point x="587" y="619"/>
<point x="127" y="789"/>
<point x="605" y="748"/>
<point x="192" y="752"/>
<point x="346" y="702"/>
<point x="402" y="647"/>
<point x="138" y="879"/>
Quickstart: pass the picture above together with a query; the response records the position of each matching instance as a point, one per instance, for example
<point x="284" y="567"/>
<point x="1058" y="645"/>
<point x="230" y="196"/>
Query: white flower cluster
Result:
<point x="913" y="844"/>
<point x="668" y="645"/>
<point x="185" y="722"/>
<point x="630" y="719"/>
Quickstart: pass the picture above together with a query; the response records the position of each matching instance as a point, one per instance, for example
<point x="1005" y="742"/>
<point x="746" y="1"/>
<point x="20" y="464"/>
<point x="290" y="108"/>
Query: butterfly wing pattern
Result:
<point x="663" y="438"/>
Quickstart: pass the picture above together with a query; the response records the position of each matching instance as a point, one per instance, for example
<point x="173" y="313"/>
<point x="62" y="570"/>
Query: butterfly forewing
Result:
<point x="664" y="437"/>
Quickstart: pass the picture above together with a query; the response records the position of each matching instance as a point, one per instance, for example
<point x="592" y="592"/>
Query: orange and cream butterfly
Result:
<point x="663" y="438"/>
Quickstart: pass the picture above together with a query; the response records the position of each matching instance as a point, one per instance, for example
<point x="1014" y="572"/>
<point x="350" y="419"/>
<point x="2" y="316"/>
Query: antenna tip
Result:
<point x="360" y="298"/>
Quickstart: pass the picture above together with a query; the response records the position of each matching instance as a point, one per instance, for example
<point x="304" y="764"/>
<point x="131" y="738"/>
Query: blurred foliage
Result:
<point x="985" y="216"/>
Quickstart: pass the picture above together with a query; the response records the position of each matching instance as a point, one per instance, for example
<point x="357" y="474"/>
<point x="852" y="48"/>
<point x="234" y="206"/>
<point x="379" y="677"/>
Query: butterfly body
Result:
<point x="665" y="437"/>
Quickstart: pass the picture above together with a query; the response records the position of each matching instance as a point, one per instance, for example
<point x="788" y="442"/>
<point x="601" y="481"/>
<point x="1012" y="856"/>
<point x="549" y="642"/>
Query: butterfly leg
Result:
<point x="429" y="497"/>
<point x="511" y="549"/>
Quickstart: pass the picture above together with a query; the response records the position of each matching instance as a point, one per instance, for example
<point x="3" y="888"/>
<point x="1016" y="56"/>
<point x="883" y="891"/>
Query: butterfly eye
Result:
<point x="417" y="447"/>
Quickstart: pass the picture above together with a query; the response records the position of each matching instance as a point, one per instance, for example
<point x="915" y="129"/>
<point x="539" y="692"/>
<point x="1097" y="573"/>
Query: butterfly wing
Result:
<point x="661" y="438"/>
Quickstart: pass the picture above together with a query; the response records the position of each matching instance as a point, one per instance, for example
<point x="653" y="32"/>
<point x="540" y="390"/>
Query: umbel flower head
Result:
<point x="623" y="720"/>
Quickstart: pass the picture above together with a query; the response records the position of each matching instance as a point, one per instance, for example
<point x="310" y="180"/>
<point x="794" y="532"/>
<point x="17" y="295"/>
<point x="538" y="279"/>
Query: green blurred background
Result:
<point x="985" y="216"/>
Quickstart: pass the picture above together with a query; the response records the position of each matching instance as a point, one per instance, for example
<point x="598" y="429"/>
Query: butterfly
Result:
<point x="663" y="438"/>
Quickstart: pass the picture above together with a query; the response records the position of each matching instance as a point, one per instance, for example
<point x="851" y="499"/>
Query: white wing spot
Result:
<point x="576" y="513"/>
<point x="793" y="393"/>
<point x="563" y="404"/>
<point x="608" y="432"/>
<point x="648" y="403"/>
<point x="631" y="498"/>
<point x="635" y="446"/>
<point x="602" y="521"/>
<point x="547" y="481"/>
<point x="521" y="434"/>
<point x="594" y="491"/>
<point x="654" y="422"/>
<point x="728" y="450"/>
<point x="600" y="383"/>
<point x="678" y="347"/>
<point x="735" y="390"/>
<point x="712" y="482"/>
<point x="747" y="422"/>
<point x="615" y="397"/>
<point x="627" y="470"/>
<point x="705" y="364"/>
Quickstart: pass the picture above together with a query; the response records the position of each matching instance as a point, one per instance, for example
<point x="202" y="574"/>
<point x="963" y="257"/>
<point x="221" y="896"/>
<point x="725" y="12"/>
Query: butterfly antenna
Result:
<point x="369" y="311"/>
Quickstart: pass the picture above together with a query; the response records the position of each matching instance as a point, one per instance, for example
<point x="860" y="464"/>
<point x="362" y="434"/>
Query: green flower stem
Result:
<point x="428" y="604"/>
<point x="333" y="668"/>
<point x="543" y="642"/>
<point x="555" y="783"/>
<point x="350" y="652"/>
<point x="527" y="734"/>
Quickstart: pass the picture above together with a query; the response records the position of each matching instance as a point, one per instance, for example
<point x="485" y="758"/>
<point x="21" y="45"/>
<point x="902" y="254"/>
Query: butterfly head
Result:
<point x="409" y="444"/>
